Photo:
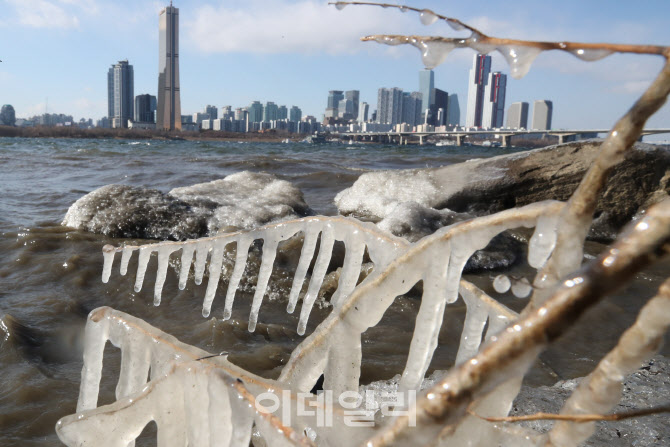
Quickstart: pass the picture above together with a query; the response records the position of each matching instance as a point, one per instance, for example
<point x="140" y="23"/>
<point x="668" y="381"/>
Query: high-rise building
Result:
<point x="479" y="76"/>
<point x="363" y="112"/>
<point x="7" y="115"/>
<point x="212" y="111"/>
<point x="227" y="113"/>
<point x="334" y="98"/>
<point x="440" y="102"/>
<point x="270" y="111"/>
<point x="494" y="101"/>
<point x="453" y="111"/>
<point x="256" y="112"/>
<point x="282" y="113"/>
<point x="542" y="111"/>
<point x="517" y="115"/>
<point x="354" y="97"/>
<point x="295" y="114"/>
<point x="120" y="94"/>
<point x="389" y="106"/>
<point x="145" y="108"/>
<point x="411" y="108"/>
<point x="345" y="109"/>
<point x="168" y="113"/>
<point x="427" y="90"/>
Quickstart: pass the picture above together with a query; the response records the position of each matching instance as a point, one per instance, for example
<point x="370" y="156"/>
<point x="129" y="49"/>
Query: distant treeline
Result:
<point x="138" y="134"/>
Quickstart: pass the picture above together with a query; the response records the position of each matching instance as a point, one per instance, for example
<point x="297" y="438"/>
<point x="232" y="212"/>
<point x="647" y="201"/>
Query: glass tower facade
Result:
<point x="168" y="114"/>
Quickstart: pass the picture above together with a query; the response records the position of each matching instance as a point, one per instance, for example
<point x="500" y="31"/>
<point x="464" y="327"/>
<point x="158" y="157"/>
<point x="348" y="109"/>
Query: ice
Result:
<point x="246" y="200"/>
<point x="376" y="194"/>
<point x="427" y="17"/>
<point x="125" y="258"/>
<point x="215" y="264"/>
<point x="501" y="283"/>
<point x="306" y="254"/>
<point x="322" y="261"/>
<point x="242" y="252"/>
<point x="108" y="255"/>
<point x="591" y="54"/>
<point x="269" y="253"/>
<point x="161" y="272"/>
<point x="340" y="5"/>
<point x="145" y="254"/>
<point x="519" y="58"/>
<point x="542" y="242"/>
<point x="521" y="288"/>
<point x="433" y="53"/>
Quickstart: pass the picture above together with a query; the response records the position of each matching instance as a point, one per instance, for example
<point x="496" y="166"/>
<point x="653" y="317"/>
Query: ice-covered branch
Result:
<point x="512" y="352"/>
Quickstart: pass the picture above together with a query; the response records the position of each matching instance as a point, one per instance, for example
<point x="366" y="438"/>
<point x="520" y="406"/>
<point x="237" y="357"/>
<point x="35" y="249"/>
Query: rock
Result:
<point x="243" y="200"/>
<point x="490" y="185"/>
<point x="646" y="388"/>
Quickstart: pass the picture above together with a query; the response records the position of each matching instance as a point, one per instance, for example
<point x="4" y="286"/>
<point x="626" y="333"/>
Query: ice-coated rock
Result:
<point x="485" y="186"/>
<point x="242" y="201"/>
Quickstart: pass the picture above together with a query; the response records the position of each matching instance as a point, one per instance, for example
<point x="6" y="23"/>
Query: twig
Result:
<point x="577" y="417"/>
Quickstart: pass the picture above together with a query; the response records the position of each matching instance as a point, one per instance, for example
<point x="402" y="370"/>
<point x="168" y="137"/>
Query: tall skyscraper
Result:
<point x="145" y="107"/>
<point x="494" y="100"/>
<point x="517" y="115"/>
<point x="363" y="112"/>
<point x="168" y="114"/>
<point x="334" y="98"/>
<point x="479" y="75"/>
<point x="354" y="97"/>
<point x="542" y="111"/>
<point x="453" y="111"/>
<point x="440" y="102"/>
<point x="120" y="94"/>
<point x="427" y="90"/>
<point x="389" y="106"/>
<point x="282" y="113"/>
<point x="411" y="108"/>
<point x="345" y="109"/>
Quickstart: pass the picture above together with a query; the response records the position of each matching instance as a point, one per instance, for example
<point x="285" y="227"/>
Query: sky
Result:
<point x="56" y="53"/>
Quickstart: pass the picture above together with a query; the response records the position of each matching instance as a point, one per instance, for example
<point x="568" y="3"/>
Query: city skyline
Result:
<point x="223" y="66"/>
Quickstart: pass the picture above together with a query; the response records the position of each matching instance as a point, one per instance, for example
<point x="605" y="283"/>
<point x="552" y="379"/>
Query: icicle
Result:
<point x="497" y="323"/>
<point x="306" y="255"/>
<point x="186" y="259"/>
<point x="322" y="261"/>
<point x="519" y="58"/>
<point x="455" y="25"/>
<point x="433" y="53"/>
<point x="351" y="269"/>
<point x="135" y="362"/>
<point x="475" y="42"/>
<point x="201" y="251"/>
<point x="590" y="55"/>
<point x="428" y="17"/>
<point x="163" y="261"/>
<point x="243" y="244"/>
<point x="222" y="416"/>
<point x="428" y="321"/>
<point x="521" y="288"/>
<point x="95" y="338"/>
<point x="343" y="370"/>
<point x="267" y="262"/>
<point x="475" y="320"/>
<point x="543" y="241"/>
<point x="198" y="407"/>
<point x="145" y="254"/>
<point x="108" y="256"/>
<point x="125" y="258"/>
<point x="501" y="283"/>
<point x="215" y="264"/>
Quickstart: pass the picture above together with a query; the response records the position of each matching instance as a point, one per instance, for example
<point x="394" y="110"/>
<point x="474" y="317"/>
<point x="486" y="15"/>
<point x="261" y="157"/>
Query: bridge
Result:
<point x="505" y="135"/>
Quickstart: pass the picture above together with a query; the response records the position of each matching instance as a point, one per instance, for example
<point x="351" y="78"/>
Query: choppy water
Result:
<point x="50" y="275"/>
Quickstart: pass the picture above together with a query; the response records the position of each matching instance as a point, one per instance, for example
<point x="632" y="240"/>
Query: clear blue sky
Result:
<point x="293" y="51"/>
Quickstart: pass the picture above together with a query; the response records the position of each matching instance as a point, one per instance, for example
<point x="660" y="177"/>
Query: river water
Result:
<point x="50" y="274"/>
